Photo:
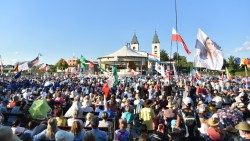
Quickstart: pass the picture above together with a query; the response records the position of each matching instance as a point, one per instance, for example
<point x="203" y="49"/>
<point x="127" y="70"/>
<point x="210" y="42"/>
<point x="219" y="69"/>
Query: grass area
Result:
<point x="242" y="73"/>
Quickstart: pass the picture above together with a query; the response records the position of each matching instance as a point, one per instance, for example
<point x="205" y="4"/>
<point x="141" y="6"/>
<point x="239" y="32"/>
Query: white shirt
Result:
<point x="71" y="120"/>
<point x="103" y="123"/>
<point x="26" y="95"/>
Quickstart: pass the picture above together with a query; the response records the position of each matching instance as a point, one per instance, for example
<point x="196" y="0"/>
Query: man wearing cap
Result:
<point x="99" y="135"/>
<point x="244" y="130"/>
<point x="188" y="120"/>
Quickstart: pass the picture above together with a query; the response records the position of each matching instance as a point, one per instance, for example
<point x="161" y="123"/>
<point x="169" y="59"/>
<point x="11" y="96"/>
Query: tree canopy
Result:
<point x="62" y="64"/>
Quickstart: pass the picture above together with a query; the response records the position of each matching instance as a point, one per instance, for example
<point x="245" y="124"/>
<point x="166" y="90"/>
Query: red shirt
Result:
<point x="214" y="135"/>
<point x="12" y="104"/>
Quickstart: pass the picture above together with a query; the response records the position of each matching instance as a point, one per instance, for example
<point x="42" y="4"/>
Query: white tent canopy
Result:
<point x="124" y="52"/>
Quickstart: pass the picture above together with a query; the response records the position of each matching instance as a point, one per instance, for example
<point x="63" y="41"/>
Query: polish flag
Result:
<point x="177" y="37"/>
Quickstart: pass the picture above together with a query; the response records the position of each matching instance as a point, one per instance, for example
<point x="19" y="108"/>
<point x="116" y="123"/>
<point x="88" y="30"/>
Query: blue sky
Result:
<point x="63" y="28"/>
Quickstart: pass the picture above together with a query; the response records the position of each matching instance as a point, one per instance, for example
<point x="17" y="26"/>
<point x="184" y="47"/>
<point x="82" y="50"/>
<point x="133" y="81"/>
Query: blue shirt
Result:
<point x="122" y="136"/>
<point x="79" y="137"/>
<point x="100" y="135"/>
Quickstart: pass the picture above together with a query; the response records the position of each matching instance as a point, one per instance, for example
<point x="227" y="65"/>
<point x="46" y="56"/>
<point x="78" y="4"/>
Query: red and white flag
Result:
<point x="177" y="37"/>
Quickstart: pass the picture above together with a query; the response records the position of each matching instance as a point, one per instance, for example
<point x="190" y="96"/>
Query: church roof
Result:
<point x="124" y="52"/>
<point x="134" y="40"/>
<point x="155" y="39"/>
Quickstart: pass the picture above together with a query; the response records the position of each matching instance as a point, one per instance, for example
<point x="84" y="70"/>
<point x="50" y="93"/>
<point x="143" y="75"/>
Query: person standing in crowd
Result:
<point x="188" y="120"/>
<point x="89" y="136"/>
<point x="49" y="133"/>
<point x="77" y="130"/>
<point x="138" y="103"/>
<point x="214" y="131"/>
<point x="62" y="135"/>
<point x="15" y="110"/>
<point x="127" y="115"/>
<point x="104" y="122"/>
<point x="122" y="134"/>
<point x="61" y="121"/>
<point x="74" y="118"/>
<point x="147" y="115"/>
<point x="7" y="135"/>
<point x="99" y="135"/>
<point x="89" y="117"/>
<point x="13" y="102"/>
<point x="244" y="131"/>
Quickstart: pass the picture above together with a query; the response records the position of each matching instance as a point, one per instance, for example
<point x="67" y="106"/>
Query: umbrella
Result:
<point x="39" y="109"/>
<point x="229" y="116"/>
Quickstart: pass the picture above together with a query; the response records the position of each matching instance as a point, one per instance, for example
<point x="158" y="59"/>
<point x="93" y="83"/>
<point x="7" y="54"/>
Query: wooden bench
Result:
<point x="95" y="113"/>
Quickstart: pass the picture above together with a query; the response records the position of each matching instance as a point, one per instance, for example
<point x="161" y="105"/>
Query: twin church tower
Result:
<point x="134" y="45"/>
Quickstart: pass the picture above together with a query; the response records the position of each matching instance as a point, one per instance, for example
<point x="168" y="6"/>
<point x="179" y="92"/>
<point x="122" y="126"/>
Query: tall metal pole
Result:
<point x="1" y="65"/>
<point x="176" y="27"/>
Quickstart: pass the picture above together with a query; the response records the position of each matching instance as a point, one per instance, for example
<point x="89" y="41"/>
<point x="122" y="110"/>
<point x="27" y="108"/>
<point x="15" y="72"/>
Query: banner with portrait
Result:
<point x="208" y="54"/>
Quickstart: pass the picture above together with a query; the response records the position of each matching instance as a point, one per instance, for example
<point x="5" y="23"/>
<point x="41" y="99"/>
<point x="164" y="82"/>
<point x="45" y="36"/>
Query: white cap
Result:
<point x="24" y="90"/>
<point x="187" y="100"/>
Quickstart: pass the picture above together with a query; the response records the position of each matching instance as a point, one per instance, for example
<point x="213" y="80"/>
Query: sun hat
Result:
<point x="244" y="126"/>
<point x="213" y="121"/>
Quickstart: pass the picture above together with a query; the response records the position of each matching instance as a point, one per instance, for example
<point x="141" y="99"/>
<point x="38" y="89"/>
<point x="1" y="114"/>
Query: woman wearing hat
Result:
<point x="169" y="114"/>
<point x="244" y="130"/>
<point x="214" y="132"/>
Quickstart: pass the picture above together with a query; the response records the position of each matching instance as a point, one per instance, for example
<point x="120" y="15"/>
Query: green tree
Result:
<point x="225" y="64"/>
<point x="164" y="55"/>
<point x="52" y="68"/>
<point x="176" y="55"/>
<point x="232" y="63"/>
<point x="62" y="64"/>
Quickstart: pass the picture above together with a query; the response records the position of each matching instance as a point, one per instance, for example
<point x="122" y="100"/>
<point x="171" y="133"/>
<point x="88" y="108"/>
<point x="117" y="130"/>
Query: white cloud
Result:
<point x="245" y="47"/>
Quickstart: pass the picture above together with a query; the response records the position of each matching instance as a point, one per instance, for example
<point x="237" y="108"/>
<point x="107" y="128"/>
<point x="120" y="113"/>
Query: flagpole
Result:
<point x="1" y="61"/>
<point x="171" y="55"/>
<point x="176" y="27"/>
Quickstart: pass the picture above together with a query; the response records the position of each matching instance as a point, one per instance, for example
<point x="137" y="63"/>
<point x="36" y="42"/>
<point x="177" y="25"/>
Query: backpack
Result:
<point x="190" y="123"/>
<point x="189" y="119"/>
